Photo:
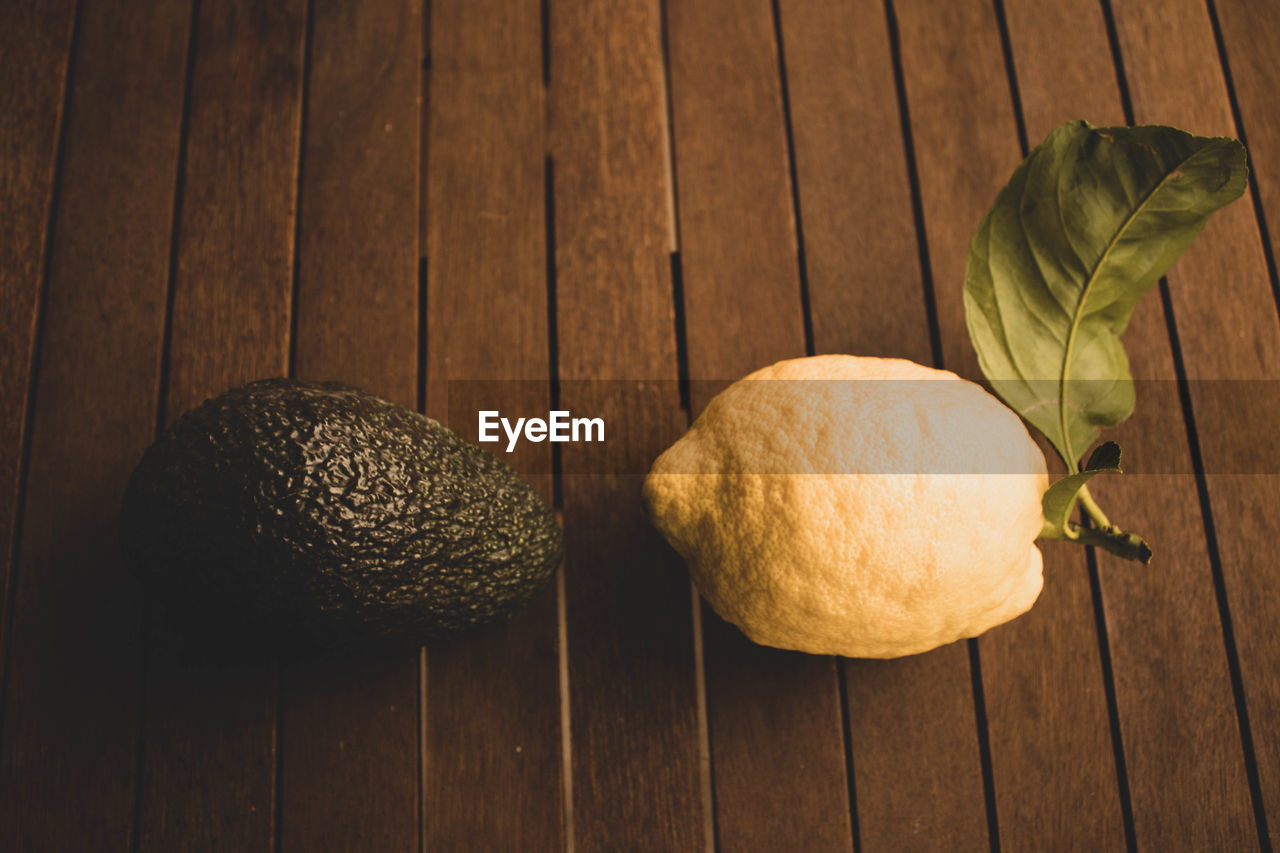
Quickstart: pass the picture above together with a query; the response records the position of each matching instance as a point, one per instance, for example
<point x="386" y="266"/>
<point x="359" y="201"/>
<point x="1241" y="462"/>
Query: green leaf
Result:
<point x="1060" y="500"/>
<point x="1087" y="224"/>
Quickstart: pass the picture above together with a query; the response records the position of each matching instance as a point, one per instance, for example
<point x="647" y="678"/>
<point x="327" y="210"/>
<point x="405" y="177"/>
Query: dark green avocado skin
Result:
<point x="325" y="516"/>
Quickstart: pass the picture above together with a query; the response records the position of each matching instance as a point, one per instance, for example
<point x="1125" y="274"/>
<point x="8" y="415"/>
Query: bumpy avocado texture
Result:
<point x="321" y="515"/>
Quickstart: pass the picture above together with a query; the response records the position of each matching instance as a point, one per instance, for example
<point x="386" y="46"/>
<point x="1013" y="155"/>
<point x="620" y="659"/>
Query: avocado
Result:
<point x="318" y="515"/>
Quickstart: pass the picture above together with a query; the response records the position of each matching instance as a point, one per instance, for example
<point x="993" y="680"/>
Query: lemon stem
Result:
<point x="1092" y="509"/>
<point x="1100" y="534"/>
<point x="1112" y="539"/>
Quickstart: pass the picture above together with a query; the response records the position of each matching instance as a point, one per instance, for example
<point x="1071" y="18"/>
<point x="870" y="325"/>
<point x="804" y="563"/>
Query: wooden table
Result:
<point x="195" y="194"/>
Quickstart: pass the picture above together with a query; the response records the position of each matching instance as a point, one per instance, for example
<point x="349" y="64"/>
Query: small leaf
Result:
<point x="1060" y="500"/>
<point x="1087" y="224"/>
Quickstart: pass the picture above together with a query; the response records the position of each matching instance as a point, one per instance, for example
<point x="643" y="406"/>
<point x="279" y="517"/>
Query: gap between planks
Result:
<point x="37" y="340"/>
<point x="706" y="780"/>
<point x="1193" y="437"/>
<point x="162" y="403"/>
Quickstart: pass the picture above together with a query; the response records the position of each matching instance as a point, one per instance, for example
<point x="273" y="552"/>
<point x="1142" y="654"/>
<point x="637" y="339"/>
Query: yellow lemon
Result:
<point x="854" y="506"/>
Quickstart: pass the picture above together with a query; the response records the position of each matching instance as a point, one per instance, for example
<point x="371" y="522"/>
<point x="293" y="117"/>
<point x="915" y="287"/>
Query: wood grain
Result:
<point x="353" y="724"/>
<point x="493" y="752"/>
<point x="1180" y="740"/>
<point x="68" y="758"/>
<point x="635" y="770"/>
<point x="1225" y="314"/>
<point x="1042" y="680"/>
<point x="34" y="50"/>
<point x="774" y="717"/>
<point x="210" y="730"/>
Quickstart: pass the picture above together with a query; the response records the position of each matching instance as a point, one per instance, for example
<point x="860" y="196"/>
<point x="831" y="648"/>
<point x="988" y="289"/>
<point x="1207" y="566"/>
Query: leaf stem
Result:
<point x="1092" y="509"/>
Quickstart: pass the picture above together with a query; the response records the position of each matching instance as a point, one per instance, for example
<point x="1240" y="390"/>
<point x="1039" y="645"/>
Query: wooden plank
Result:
<point x="1166" y="613"/>
<point x="352" y="725"/>
<point x="1044" y="694"/>
<point x="966" y="144"/>
<point x="357" y="255"/>
<point x="210" y="738"/>
<point x="918" y="709"/>
<point x="866" y="295"/>
<point x="1051" y="750"/>
<point x="915" y="759"/>
<point x="737" y="228"/>
<point x="35" y="48"/>
<point x="492" y="777"/>
<point x="1223" y="276"/>
<point x="911" y="722"/>
<point x="1250" y="34"/>
<point x="234" y="270"/>
<point x="72" y="698"/>
<point x="632" y="708"/>
<point x="774" y="717"/>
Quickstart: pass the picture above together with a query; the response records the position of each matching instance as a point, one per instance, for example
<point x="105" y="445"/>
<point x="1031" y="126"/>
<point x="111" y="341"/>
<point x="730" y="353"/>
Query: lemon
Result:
<point x="835" y="515"/>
